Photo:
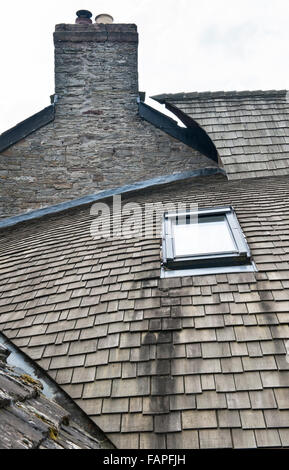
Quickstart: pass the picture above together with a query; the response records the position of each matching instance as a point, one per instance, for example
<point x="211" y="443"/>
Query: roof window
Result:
<point x="204" y="241"/>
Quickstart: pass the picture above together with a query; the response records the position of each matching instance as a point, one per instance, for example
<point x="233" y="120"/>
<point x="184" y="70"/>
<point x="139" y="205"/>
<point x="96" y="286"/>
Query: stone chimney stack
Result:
<point x="96" y="68"/>
<point x="93" y="137"/>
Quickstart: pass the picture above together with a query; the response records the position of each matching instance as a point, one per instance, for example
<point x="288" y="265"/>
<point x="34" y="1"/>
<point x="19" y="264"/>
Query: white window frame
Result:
<point x="227" y="261"/>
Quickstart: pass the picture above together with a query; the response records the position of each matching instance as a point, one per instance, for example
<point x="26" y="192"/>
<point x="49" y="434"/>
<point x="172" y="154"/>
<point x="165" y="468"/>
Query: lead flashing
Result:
<point x="124" y="190"/>
<point x="26" y="127"/>
<point x="192" y="135"/>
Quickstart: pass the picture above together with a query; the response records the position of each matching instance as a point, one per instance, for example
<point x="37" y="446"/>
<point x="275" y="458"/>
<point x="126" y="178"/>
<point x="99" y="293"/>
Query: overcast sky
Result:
<point x="185" y="45"/>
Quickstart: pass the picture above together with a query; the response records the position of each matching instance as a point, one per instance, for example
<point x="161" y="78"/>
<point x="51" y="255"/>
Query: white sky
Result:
<point x="185" y="45"/>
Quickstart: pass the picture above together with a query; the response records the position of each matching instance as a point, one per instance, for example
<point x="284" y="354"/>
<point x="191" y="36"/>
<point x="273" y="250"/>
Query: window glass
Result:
<point x="210" y="235"/>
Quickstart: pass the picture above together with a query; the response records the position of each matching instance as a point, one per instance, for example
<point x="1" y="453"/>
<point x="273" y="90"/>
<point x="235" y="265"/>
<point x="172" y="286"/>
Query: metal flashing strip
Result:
<point x="26" y="127"/>
<point x="192" y="135"/>
<point x="127" y="189"/>
<point x="166" y="273"/>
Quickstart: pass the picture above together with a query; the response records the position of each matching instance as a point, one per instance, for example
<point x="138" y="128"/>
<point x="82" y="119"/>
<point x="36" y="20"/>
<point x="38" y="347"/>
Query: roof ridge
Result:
<point x="219" y="94"/>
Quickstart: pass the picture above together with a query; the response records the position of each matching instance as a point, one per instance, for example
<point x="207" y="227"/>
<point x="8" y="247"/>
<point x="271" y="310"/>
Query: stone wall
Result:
<point x="97" y="139"/>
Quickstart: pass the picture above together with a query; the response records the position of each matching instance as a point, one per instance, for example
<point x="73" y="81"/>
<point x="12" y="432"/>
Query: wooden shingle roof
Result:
<point x="187" y="362"/>
<point x="250" y="129"/>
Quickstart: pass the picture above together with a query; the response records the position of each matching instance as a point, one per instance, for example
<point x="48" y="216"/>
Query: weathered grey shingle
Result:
<point x="243" y="439"/>
<point x="199" y="419"/>
<point x="215" y="439"/>
<point x="188" y="350"/>
<point x="267" y="438"/>
<point x="248" y="129"/>
<point x="229" y="418"/>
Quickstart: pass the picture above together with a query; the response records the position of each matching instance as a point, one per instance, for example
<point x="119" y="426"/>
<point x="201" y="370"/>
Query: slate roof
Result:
<point x="250" y="129"/>
<point x="190" y="362"/>
<point x="31" y="420"/>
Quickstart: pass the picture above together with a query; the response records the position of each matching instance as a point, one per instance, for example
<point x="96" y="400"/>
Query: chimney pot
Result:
<point x="83" y="17"/>
<point x="104" y="18"/>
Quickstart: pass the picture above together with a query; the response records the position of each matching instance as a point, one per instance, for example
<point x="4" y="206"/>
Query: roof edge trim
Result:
<point x="163" y="98"/>
<point x="26" y="127"/>
<point x="127" y="189"/>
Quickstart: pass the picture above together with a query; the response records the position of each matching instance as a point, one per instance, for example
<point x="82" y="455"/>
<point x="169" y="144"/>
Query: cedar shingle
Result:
<point x="129" y="340"/>
<point x="109" y="341"/>
<point x="96" y="332"/>
<point x="156" y="405"/>
<point x="225" y="383"/>
<point x="263" y="399"/>
<point x="83" y="374"/>
<point x="108" y="423"/>
<point x="276" y="418"/>
<point x="136" y="422"/>
<point x="130" y="387"/>
<point x="215" y="439"/>
<point x="238" y="400"/>
<point x="252" y="333"/>
<point x="243" y="439"/>
<point x="229" y="419"/>
<point x="91" y="407"/>
<point x="179" y="402"/>
<point x="197" y="419"/>
<point x="209" y="321"/>
<point x="183" y="440"/>
<point x="101" y="388"/>
<point x="232" y="364"/>
<point x="191" y="335"/>
<point x="150" y="440"/>
<point x="284" y="436"/>
<point x="192" y="384"/>
<point x="62" y="362"/>
<point x="195" y="366"/>
<point x="108" y="371"/>
<point x="267" y="438"/>
<point x="211" y="400"/>
<point x="282" y="395"/>
<point x="252" y="419"/>
<point x="168" y="423"/>
<point x="259" y="363"/>
<point x="275" y="379"/>
<point x="115" y="405"/>
<point x="166" y="385"/>
<point x="248" y="381"/>
<point x="128" y="370"/>
<point x="213" y="350"/>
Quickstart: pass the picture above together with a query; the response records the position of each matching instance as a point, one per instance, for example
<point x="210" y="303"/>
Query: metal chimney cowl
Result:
<point x="83" y="17"/>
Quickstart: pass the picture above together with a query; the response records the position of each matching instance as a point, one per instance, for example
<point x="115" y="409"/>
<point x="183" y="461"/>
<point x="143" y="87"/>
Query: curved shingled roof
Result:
<point x="191" y="362"/>
<point x="250" y="129"/>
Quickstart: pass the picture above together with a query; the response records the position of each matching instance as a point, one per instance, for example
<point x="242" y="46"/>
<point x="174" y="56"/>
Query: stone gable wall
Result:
<point x="97" y="140"/>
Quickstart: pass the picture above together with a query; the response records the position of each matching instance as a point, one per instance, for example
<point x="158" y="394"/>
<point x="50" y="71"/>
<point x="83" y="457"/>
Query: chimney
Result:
<point x="95" y="67"/>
